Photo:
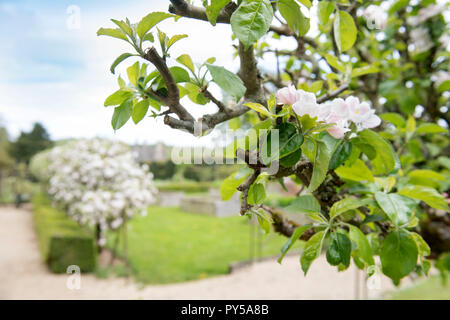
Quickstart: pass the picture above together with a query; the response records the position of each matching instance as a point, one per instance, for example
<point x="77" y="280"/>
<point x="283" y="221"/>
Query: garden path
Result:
<point x="24" y="276"/>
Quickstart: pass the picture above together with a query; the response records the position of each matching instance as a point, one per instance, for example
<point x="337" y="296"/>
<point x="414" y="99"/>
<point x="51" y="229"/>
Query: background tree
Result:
<point x="30" y="143"/>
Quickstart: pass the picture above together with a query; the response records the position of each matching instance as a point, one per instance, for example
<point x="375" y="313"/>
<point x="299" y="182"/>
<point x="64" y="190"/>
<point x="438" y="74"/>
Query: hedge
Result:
<point x="186" y="186"/>
<point x="62" y="242"/>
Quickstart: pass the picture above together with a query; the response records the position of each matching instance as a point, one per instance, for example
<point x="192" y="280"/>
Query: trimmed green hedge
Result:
<point x="186" y="186"/>
<point x="62" y="241"/>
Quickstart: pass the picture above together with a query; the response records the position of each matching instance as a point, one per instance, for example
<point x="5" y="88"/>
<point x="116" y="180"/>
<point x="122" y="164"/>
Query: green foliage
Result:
<point x="251" y="20"/>
<point x="30" y="143"/>
<point x="339" y="250"/>
<point x="227" y="80"/>
<point x="312" y="250"/>
<point x="295" y="236"/>
<point x="213" y="10"/>
<point x="344" y="30"/>
<point x="304" y="204"/>
<point x="321" y="164"/>
<point x="291" y="12"/>
<point x="163" y="170"/>
<point x="398" y="255"/>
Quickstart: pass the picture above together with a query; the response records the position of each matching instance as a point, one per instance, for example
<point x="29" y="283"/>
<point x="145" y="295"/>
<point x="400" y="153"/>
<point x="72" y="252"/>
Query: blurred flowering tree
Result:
<point x="99" y="183"/>
<point x="370" y="188"/>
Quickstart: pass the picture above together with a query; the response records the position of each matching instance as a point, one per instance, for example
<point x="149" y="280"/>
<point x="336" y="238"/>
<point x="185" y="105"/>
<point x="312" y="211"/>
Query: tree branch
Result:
<point x="173" y="95"/>
<point x="245" y="187"/>
<point x="218" y="103"/>
<point x="333" y="94"/>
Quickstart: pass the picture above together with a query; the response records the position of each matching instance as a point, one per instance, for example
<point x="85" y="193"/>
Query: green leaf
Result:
<point x="227" y="80"/>
<point x="426" y="194"/>
<point x="344" y="31"/>
<point x="179" y="74"/>
<point x="289" y="140"/>
<point x="357" y="171"/>
<point x="426" y="174"/>
<point x="306" y="3"/>
<point x="119" y="60"/>
<point x="324" y="11"/>
<point x="357" y="72"/>
<point x="410" y="125"/>
<point x="118" y="97"/>
<point x="251" y="20"/>
<point x="115" y="33"/>
<point x="186" y="60"/>
<point x="344" y="205"/>
<point x="124" y="26"/>
<point x="430" y="128"/>
<point x="122" y="114"/>
<point x="397" y="207"/>
<point x="295" y="236"/>
<point x="444" y="86"/>
<point x="335" y="63"/>
<point x="133" y="74"/>
<point x="398" y="255"/>
<point x="341" y="154"/>
<point x="140" y="110"/>
<point x="229" y="185"/>
<point x="422" y="246"/>
<point x="213" y="10"/>
<point x="394" y="118"/>
<point x="150" y="20"/>
<point x="339" y="250"/>
<point x="291" y="159"/>
<point x="256" y="194"/>
<point x="321" y="164"/>
<point x="294" y="17"/>
<point x="312" y="250"/>
<point x="149" y="37"/>
<point x="259" y="108"/>
<point x="195" y="94"/>
<point x="364" y="249"/>
<point x="384" y="162"/>
<point x="174" y="39"/>
<point x="304" y="204"/>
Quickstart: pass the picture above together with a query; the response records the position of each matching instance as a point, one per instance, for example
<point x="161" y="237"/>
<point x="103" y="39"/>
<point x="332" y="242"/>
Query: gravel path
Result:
<point x="24" y="276"/>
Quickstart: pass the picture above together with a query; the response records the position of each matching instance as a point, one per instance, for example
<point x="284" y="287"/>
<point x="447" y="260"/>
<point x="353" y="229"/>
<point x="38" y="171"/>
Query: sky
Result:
<point x="55" y="70"/>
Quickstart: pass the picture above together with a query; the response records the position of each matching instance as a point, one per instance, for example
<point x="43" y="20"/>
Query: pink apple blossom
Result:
<point x="288" y="95"/>
<point x="306" y="104"/>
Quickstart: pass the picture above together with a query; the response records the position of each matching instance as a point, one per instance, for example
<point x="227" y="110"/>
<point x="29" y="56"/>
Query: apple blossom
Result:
<point x="375" y="16"/>
<point x="339" y="112"/>
<point x="288" y="95"/>
<point x="306" y="104"/>
<point x="421" y="39"/>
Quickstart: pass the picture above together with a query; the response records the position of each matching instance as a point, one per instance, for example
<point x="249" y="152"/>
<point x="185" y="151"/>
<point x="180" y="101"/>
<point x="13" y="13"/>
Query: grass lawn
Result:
<point x="169" y="245"/>
<point x="426" y="289"/>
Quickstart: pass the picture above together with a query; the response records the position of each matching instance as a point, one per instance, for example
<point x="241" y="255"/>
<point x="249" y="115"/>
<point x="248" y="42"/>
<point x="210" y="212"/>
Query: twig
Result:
<point x="173" y="95"/>
<point x="333" y="94"/>
<point x="244" y="188"/>
<point x="218" y="103"/>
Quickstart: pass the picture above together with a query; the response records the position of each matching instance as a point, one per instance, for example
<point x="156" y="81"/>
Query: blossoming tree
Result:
<point x="365" y="188"/>
<point x="99" y="183"/>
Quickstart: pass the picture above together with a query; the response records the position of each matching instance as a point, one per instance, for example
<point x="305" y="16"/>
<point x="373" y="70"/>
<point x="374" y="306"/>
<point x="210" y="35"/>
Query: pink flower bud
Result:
<point x="287" y="95"/>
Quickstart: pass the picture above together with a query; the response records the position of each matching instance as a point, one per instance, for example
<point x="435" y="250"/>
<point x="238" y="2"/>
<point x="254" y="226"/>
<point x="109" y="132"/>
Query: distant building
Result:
<point x="152" y="153"/>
